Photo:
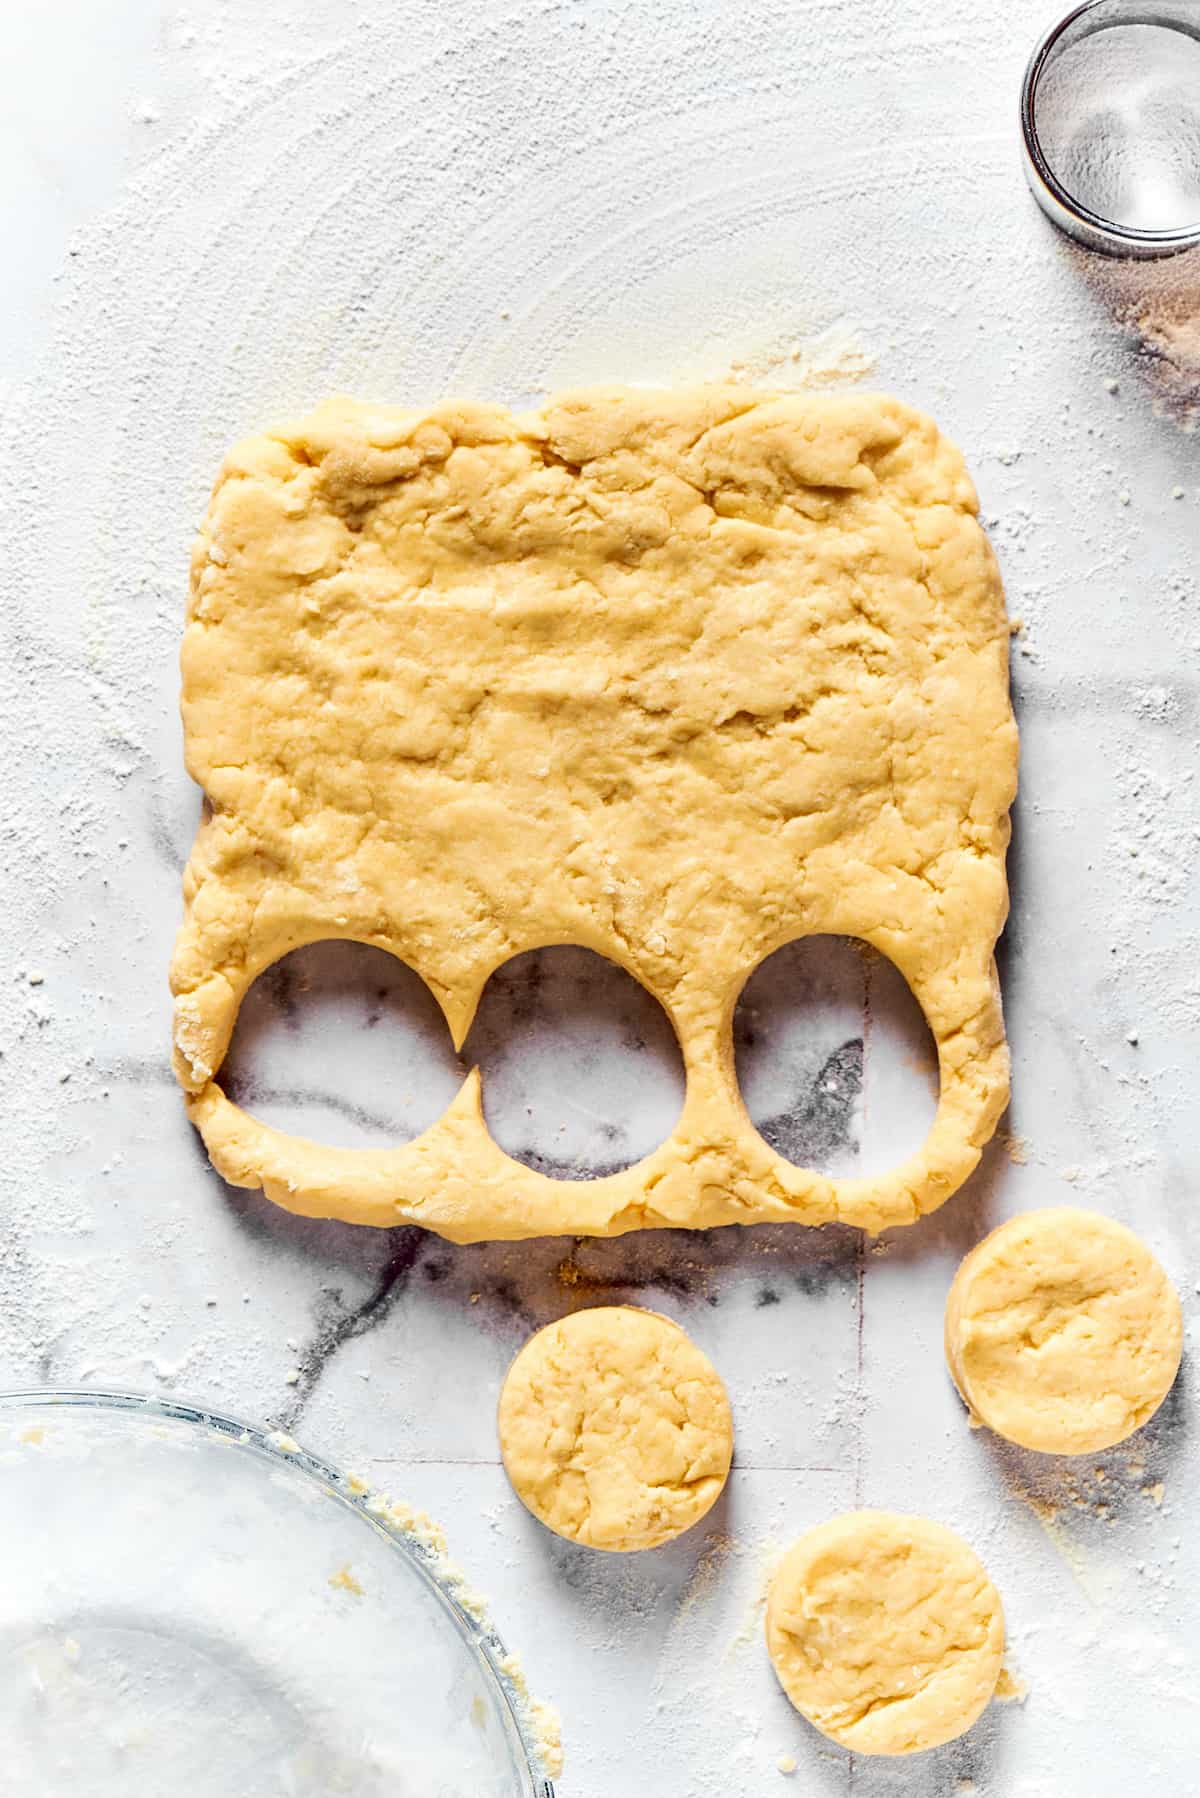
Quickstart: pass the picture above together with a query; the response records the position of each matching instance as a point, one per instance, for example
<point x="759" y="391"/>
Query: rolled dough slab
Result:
<point x="677" y="676"/>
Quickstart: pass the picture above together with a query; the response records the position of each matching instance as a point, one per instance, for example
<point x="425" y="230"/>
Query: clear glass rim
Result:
<point x="480" y="1636"/>
<point x="1100" y="232"/>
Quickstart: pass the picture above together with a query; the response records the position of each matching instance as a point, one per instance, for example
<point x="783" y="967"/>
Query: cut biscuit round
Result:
<point x="1063" y="1333"/>
<point x="885" y="1632"/>
<point x="615" y="1429"/>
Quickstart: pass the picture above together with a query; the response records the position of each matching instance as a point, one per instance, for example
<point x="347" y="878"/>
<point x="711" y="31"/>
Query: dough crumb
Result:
<point x="786" y="1763"/>
<point x="1010" y="1687"/>
<point x="544" y="1720"/>
<point x="344" y="1581"/>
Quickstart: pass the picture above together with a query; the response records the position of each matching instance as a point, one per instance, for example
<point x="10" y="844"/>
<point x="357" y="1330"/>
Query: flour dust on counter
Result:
<point x="1156" y="307"/>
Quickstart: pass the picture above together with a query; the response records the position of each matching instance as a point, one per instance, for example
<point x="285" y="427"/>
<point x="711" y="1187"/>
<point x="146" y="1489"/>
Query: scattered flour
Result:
<point x="1157" y="304"/>
<point x="834" y="357"/>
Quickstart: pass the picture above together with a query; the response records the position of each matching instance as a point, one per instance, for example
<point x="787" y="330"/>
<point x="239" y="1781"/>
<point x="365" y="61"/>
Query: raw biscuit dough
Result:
<point x="885" y="1631"/>
<point x="677" y="676"/>
<point x="615" y="1430"/>
<point x="1063" y="1333"/>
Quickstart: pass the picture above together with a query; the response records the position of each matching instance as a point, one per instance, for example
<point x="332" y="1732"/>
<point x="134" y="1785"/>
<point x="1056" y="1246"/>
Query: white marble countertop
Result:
<point x="217" y="213"/>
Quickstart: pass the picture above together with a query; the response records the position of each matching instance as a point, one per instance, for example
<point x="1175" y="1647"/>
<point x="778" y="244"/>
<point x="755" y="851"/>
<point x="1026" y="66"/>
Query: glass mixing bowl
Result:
<point x="193" y="1608"/>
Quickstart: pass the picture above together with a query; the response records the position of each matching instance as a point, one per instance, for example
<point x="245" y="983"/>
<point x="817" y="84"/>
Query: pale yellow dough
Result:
<point x="675" y="676"/>
<point x="1063" y="1333"/>
<point x="885" y="1631"/>
<point x="615" y="1430"/>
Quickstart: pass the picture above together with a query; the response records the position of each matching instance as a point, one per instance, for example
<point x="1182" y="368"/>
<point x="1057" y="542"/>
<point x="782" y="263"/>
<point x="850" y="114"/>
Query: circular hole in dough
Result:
<point x="615" y="1429"/>
<point x="837" y="1067"/>
<point x="885" y="1631"/>
<point x="1063" y="1333"/>
<point x="344" y="1044"/>
<point x="582" y="1073"/>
